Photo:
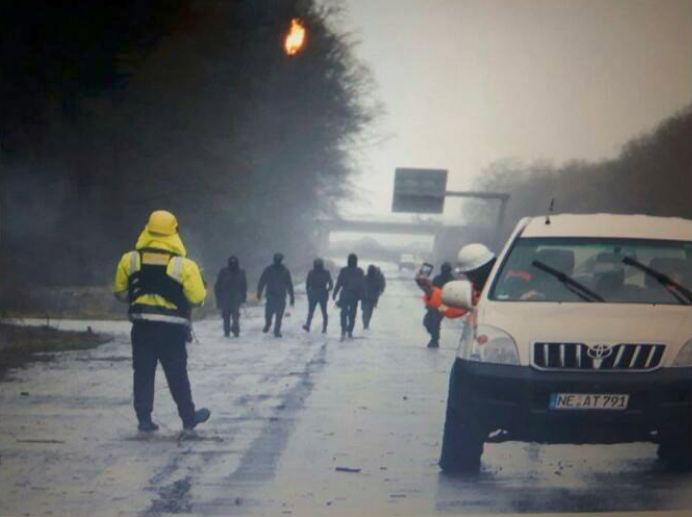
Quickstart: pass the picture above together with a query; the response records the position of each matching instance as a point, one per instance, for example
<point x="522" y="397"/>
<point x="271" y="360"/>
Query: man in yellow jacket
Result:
<point x="160" y="285"/>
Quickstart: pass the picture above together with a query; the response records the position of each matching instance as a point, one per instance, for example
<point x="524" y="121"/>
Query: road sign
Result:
<point x="419" y="191"/>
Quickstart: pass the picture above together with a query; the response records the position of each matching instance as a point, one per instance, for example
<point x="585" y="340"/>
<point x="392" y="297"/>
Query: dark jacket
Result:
<point x="230" y="288"/>
<point x="374" y="285"/>
<point x="351" y="284"/>
<point x="441" y="279"/>
<point x="318" y="284"/>
<point x="277" y="279"/>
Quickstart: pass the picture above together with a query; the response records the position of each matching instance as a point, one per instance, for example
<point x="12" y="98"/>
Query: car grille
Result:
<point x="629" y="357"/>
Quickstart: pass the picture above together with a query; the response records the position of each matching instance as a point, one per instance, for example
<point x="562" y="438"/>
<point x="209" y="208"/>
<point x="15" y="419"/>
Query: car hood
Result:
<point x="590" y="323"/>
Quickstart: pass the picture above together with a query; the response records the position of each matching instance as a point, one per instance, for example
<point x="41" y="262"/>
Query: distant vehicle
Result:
<point x="407" y="261"/>
<point x="583" y="334"/>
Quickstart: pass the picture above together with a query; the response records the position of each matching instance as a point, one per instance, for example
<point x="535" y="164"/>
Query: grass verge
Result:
<point x="19" y="344"/>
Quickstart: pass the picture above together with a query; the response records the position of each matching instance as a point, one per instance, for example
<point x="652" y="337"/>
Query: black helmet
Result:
<point x="318" y="264"/>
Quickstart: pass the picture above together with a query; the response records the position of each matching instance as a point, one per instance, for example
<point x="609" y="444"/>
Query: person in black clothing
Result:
<point x="277" y="279"/>
<point x="351" y="285"/>
<point x="383" y="281"/>
<point x="317" y="286"/>
<point x="433" y="317"/>
<point x="231" y="292"/>
<point x="374" y="287"/>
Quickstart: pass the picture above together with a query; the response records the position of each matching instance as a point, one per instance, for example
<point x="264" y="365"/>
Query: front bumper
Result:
<point x="515" y="399"/>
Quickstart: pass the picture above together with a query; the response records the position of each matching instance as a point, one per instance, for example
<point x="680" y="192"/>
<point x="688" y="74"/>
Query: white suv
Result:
<point x="582" y="334"/>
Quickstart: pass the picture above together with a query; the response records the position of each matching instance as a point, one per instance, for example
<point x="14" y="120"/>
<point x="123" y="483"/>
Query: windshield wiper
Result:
<point x="580" y="290"/>
<point x="663" y="279"/>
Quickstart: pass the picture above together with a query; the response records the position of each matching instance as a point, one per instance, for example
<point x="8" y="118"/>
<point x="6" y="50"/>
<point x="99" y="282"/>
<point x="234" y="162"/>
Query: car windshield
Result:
<point x="575" y="269"/>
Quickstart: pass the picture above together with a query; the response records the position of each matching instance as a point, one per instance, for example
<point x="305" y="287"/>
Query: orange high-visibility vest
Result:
<point x="434" y="301"/>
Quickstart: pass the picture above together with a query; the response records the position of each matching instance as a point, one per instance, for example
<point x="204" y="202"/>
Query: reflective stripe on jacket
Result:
<point x="153" y="307"/>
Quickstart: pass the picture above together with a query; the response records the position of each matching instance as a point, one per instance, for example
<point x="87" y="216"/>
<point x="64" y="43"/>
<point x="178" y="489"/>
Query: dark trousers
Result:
<point x="164" y="342"/>
<point x="312" y="305"/>
<point x="432" y="321"/>
<point x="227" y="313"/>
<point x="349" y="310"/>
<point x="368" y="306"/>
<point x="275" y="307"/>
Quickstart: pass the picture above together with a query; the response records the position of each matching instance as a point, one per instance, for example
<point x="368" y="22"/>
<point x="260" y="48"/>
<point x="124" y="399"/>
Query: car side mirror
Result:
<point x="458" y="294"/>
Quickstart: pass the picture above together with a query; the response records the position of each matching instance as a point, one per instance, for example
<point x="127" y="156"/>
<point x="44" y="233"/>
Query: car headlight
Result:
<point x="684" y="357"/>
<point x="487" y="344"/>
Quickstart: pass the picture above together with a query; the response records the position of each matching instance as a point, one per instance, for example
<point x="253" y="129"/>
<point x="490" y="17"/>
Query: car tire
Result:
<point x="462" y="440"/>
<point x="676" y="453"/>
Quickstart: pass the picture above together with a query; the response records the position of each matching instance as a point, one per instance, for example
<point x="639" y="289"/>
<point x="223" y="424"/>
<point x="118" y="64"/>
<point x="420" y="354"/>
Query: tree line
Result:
<point x="652" y="175"/>
<point x="114" y="109"/>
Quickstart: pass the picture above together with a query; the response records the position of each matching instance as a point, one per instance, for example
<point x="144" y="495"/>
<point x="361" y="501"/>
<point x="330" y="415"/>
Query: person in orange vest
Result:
<point x="474" y="261"/>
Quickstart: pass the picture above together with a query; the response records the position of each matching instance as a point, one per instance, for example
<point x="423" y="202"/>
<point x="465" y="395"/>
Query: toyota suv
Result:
<point x="582" y="334"/>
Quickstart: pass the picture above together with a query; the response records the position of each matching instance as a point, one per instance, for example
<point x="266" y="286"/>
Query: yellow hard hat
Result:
<point x="162" y="222"/>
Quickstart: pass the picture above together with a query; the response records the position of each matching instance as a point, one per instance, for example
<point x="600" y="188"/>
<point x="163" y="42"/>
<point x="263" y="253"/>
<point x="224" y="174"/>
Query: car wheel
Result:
<point x="462" y="441"/>
<point x="676" y="453"/>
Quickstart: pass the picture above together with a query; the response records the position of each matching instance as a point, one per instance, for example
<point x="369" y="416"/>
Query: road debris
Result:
<point x="347" y="469"/>
<point x="40" y="441"/>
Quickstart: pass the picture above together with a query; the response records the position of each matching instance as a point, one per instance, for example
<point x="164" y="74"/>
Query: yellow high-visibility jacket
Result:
<point x="181" y="269"/>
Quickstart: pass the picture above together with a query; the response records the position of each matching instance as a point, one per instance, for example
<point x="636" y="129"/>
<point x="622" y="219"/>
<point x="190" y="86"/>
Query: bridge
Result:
<point x="391" y="227"/>
<point x="447" y="238"/>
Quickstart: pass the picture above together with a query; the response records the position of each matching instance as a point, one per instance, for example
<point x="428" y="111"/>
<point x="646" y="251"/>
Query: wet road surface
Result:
<point x="304" y="425"/>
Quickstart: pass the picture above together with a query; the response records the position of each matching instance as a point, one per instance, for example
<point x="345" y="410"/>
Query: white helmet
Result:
<point x="473" y="256"/>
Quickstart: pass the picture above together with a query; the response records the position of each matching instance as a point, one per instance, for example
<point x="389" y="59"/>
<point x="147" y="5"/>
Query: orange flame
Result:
<point x="295" y="39"/>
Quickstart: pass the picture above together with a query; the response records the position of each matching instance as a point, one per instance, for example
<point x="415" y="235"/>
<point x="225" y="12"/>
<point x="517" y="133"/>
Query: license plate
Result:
<point x="610" y="401"/>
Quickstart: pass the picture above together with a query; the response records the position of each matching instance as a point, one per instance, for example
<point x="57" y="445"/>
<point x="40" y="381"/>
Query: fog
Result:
<point x="468" y="83"/>
<point x="195" y="108"/>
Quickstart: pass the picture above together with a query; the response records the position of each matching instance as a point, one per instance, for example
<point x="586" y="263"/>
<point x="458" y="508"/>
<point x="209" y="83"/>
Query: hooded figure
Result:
<point x="350" y="287"/>
<point x="374" y="287"/>
<point x="433" y="317"/>
<point x="160" y="285"/>
<point x="317" y="286"/>
<point x="276" y="278"/>
<point x="231" y="292"/>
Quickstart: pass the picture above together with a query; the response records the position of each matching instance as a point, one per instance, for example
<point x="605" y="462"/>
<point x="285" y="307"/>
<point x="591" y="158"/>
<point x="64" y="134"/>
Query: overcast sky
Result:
<point x="468" y="82"/>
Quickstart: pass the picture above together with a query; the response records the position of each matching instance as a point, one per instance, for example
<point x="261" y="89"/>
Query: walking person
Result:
<point x="231" y="292"/>
<point x="433" y="317"/>
<point x="317" y="286"/>
<point x="374" y="287"/>
<point x="277" y="280"/>
<point x="350" y="287"/>
<point x="383" y="280"/>
<point x="160" y="285"/>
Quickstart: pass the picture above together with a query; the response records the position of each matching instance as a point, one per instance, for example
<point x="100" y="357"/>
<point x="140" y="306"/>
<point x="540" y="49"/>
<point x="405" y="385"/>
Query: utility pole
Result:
<point x="503" y="197"/>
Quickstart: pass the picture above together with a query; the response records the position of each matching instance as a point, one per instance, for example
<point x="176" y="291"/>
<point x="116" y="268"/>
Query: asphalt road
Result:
<point x="304" y="425"/>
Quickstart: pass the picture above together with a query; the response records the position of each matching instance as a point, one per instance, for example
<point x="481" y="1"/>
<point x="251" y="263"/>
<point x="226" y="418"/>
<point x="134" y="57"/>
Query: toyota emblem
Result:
<point x="599" y="352"/>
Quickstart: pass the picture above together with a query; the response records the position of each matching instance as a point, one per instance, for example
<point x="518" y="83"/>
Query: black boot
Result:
<point x="201" y="416"/>
<point x="434" y="343"/>
<point x="147" y="426"/>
